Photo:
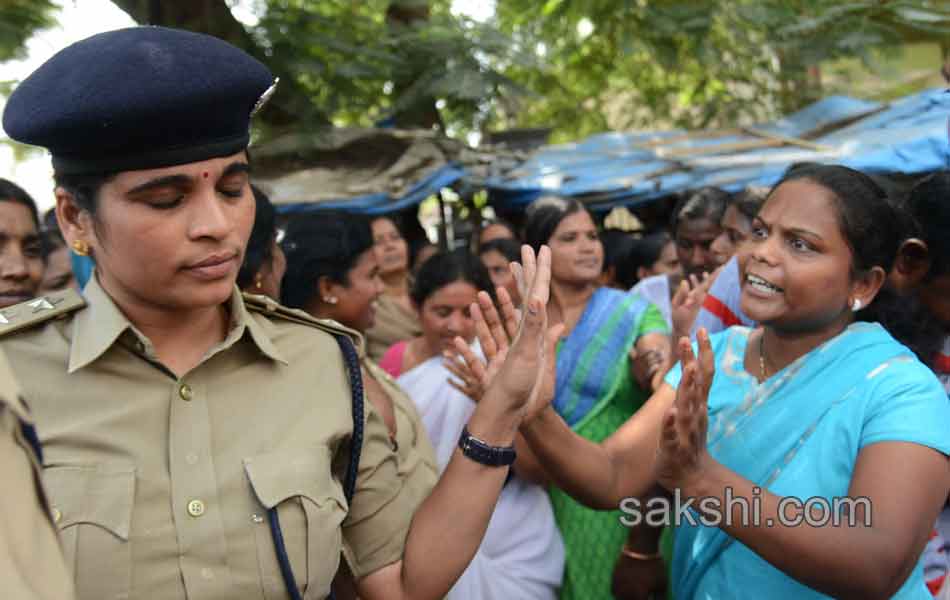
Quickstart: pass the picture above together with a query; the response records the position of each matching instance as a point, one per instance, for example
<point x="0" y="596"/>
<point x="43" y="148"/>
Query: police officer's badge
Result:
<point x="265" y="97"/>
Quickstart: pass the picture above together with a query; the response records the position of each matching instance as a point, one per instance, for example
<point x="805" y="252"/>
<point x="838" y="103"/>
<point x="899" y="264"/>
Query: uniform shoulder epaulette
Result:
<point x="53" y="305"/>
<point x="269" y="306"/>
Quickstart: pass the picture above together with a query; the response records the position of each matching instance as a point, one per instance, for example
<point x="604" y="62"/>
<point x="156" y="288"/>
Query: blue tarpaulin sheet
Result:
<point x="606" y="170"/>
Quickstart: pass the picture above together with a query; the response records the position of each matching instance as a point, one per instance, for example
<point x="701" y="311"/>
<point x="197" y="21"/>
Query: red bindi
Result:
<point x="205" y="174"/>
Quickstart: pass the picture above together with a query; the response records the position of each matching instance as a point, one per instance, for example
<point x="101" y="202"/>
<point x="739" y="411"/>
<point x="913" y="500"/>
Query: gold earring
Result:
<point x="258" y="284"/>
<point x="80" y="247"/>
<point x="330" y="300"/>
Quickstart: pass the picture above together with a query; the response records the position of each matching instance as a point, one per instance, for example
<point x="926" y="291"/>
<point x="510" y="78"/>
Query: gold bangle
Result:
<point x="626" y="551"/>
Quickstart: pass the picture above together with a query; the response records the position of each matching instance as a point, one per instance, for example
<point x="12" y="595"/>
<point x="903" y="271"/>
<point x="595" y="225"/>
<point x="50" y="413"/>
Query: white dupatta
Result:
<point x="522" y="555"/>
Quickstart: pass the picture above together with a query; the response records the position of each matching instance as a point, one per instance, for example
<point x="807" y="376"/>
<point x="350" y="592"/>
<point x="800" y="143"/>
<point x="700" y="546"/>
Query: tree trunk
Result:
<point x="422" y="114"/>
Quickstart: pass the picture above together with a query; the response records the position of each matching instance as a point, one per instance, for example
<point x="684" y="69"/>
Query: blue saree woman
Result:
<point x="812" y="404"/>
<point x="862" y="387"/>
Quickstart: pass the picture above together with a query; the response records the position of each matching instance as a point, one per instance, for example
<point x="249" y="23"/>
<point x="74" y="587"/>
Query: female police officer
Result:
<point x="181" y="421"/>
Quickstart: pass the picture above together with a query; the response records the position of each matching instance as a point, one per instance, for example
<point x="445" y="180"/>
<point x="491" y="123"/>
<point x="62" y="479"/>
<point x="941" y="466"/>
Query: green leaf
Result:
<point x="550" y="7"/>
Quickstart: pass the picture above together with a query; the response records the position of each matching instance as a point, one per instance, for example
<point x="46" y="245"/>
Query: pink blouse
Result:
<point x="391" y="362"/>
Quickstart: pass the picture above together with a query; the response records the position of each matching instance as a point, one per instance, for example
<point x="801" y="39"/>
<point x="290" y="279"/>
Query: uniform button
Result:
<point x="185" y="392"/>
<point x="196" y="508"/>
<point x="57" y="515"/>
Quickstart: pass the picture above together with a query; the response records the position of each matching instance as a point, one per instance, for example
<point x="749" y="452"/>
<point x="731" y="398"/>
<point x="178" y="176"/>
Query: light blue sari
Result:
<point x="799" y="434"/>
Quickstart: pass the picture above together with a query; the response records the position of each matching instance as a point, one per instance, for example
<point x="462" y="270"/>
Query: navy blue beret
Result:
<point x="139" y="98"/>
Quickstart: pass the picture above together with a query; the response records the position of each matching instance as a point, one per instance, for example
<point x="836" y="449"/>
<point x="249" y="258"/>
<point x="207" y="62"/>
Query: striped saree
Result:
<point x="595" y="393"/>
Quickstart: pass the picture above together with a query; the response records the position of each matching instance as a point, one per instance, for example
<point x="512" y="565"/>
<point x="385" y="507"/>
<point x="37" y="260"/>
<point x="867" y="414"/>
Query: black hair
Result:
<point x="260" y="246"/>
<point x="503" y="223"/>
<point x="929" y="204"/>
<point x="321" y="244"/>
<point x="644" y="252"/>
<point x="415" y="249"/>
<point x="393" y="218"/>
<point x="705" y="203"/>
<point x="49" y="220"/>
<point x="52" y="236"/>
<point x="510" y="249"/>
<point x="617" y="246"/>
<point x="544" y="215"/>
<point x="749" y="201"/>
<point x="84" y="188"/>
<point x="874" y="226"/>
<point x="446" y="268"/>
<point x="11" y="192"/>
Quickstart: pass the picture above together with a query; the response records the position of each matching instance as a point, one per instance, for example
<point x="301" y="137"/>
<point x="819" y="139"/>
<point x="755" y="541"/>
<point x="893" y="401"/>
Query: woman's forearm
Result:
<point x="601" y="475"/>
<point x="847" y="559"/>
<point x="583" y="469"/>
<point x="448" y="527"/>
<point x="527" y="467"/>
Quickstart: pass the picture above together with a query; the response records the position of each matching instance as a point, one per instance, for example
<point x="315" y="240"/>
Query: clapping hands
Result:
<point x="682" y="456"/>
<point x="519" y="346"/>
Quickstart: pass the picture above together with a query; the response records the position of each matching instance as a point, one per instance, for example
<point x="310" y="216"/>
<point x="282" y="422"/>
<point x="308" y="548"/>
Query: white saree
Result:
<point x="522" y="555"/>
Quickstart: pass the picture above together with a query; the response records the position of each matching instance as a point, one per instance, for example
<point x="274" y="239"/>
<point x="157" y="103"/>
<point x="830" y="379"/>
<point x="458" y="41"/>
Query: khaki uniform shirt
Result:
<point x="31" y="561"/>
<point x="417" y="464"/>
<point x="162" y="484"/>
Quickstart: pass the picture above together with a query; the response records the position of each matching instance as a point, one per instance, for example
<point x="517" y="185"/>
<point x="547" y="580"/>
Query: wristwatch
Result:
<point x="479" y="451"/>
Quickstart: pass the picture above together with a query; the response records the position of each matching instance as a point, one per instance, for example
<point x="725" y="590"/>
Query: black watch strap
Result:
<point x="479" y="451"/>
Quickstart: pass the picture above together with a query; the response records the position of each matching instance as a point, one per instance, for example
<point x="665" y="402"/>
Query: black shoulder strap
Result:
<point x="352" y="362"/>
<point x="29" y="433"/>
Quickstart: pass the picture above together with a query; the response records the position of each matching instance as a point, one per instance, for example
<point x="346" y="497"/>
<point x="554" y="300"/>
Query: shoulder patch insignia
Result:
<point x="272" y="308"/>
<point x="49" y="306"/>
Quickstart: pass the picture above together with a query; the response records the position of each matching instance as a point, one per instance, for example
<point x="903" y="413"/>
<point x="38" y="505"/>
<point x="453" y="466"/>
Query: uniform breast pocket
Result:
<point x="92" y="507"/>
<point x="311" y="509"/>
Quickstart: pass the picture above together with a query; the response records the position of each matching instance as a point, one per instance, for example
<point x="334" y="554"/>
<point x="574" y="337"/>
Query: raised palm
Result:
<point x="518" y="345"/>
<point x="682" y="455"/>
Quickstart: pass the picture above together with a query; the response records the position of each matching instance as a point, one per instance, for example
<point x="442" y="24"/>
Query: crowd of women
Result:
<point x="347" y="423"/>
<point x="553" y="531"/>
